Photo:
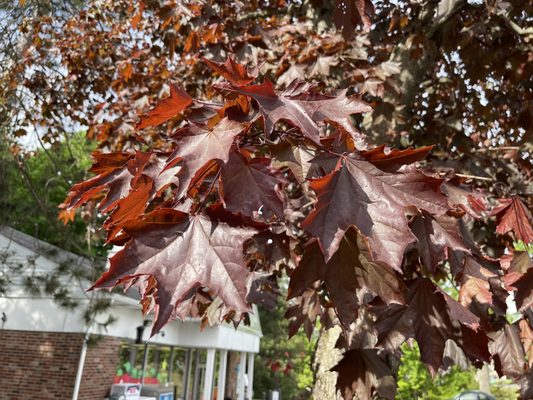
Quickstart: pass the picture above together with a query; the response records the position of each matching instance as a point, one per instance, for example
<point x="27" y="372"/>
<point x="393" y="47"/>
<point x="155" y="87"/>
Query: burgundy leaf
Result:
<point x="197" y="145"/>
<point x="526" y="336"/>
<point x="524" y="291"/>
<point x="217" y="212"/>
<point x="516" y="265"/>
<point x="233" y="72"/>
<point x="362" y="374"/>
<point x="269" y="251"/>
<point x="261" y="183"/>
<point x="474" y="280"/>
<point x="435" y="235"/>
<point x="302" y="108"/>
<point x="431" y="317"/>
<point x="375" y="202"/>
<point x="507" y="352"/>
<point x="513" y="215"/>
<point x="183" y="252"/>
<point x="386" y="158"/>
<point x="472" y="202"/>
<point x="350" y="13"/>
<point x="347" y="272"/>
<point x="129" y="181"/>
<point x="264" y="291"/>
<point x="305" y="312"/>
<point x="296" y="157"/>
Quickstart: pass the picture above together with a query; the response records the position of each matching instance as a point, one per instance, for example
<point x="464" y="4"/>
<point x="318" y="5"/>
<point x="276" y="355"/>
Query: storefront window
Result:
<point x="178" y="370"/>
<point x="129" y="369"/>
<point x="195" y="388"/>
<point x="158" y="368"/>
<point x="157" y="365"/>
<point x="183" y="368"/>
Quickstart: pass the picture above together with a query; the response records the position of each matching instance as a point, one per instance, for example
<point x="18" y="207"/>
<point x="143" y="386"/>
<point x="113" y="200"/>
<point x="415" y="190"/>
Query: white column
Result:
<point x="209" y="373"/>
<point x="81" y="364"/>
<point x="222" y="374"/>
<point x="242" y="371"/>
<point x="250" y="388"/>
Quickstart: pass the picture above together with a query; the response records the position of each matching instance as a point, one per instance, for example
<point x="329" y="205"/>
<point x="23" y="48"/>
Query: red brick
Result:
<point x="43" y="365"/>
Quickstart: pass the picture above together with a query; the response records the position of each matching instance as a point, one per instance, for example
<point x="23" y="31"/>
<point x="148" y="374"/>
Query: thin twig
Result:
<point x="501" y="148"/>
<point x="479" y="178"/>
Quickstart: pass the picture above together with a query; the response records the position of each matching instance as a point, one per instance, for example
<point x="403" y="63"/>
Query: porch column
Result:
<point x="209" y="373"/>
<point x="242" y="374"/>
<point x="250" y="387"/>
<point x="222" y="375"/>
<point x="188" y="369"/>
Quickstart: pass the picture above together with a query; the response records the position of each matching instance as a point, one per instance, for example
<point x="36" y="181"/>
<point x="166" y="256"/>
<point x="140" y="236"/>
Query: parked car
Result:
<point x="474" y="395"/>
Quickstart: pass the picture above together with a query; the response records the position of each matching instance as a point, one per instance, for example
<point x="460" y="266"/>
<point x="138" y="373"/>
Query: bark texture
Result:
<point x="326" y="357"/>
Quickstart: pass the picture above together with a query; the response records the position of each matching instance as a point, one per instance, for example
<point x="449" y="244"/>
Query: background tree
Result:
<point x="34" y="184"/>
<point x="282" y="363"/>
<point x="364" y="235"/>
<point x="414" y="381"/>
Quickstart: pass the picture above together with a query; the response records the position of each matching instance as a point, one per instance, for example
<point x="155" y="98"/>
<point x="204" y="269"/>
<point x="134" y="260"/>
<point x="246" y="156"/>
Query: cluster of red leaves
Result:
<point x="281" y="172"/>
<point x="208" y="226"/>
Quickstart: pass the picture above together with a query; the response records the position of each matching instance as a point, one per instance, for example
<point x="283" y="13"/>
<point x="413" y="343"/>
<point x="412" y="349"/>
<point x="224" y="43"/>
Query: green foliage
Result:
<point x="34" y="184"/>
<point x="282" y="363"/>
<point x="504" y="389"/>
<point x="521" y="246"/>
<point x="415" y="382"/>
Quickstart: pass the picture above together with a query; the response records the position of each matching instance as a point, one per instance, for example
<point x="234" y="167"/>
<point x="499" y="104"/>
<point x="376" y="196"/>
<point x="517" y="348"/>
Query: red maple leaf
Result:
<point x="436" y="235"/>
<point x="262" y="183"/>
<point x="375" y="202"/>
<point x="516" y="264"/>
<point x="296" y="157"/>
<point x="363" y="373"/>
<point x="524" y="289"/>
<point x="129" y="181"/>
<point x="197" y="145"/>
<point x="350" y="13"/>
<point x="304" y="313"/>
<point x="507" y="352"/>
<point x="431" y="317"/>
<point x="182" y="252"/>
<point x="349" y="270"/>
<point x="166" y="109"/>
<point x="233" y="71"/>
<point x="513" y="215"/>
<point x="474" y="279"/>
<point x="302" y="108"/>
<point x="386" y="158"/>
<point x="471" y="201"/>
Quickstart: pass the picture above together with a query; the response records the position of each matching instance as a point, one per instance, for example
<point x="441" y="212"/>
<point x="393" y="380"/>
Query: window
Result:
<point x="164" y="364"/>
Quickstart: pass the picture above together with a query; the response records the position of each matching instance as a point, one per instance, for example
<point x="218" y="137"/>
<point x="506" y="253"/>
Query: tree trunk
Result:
<point x="390" y="117"/>
<point x="326" y="357"/>
<point x="232" y="374"/>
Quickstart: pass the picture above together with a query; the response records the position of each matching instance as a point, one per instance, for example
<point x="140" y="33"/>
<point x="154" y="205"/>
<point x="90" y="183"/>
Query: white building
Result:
<point x="44" y="344"/>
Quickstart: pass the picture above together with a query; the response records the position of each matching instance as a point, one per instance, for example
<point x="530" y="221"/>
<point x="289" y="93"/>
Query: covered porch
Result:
<point x="215" y="363"/>
<point x="191" y="373"/>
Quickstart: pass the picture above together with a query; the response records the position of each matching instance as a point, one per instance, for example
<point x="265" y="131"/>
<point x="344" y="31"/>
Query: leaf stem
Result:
<point x="479" y="178"/>
<point x="501" y="148"/>
<point x="201" y="206"/>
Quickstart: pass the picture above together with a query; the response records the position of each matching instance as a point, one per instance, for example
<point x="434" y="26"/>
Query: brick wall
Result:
<point x="100" y="364"/>
<point x="43" y="365"/>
